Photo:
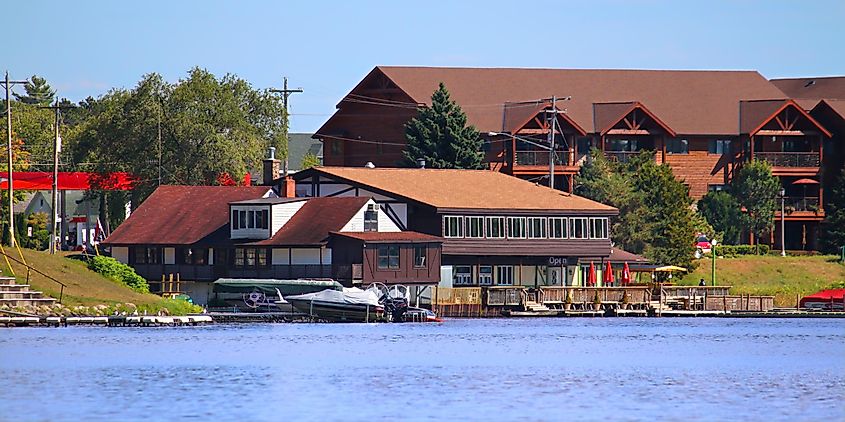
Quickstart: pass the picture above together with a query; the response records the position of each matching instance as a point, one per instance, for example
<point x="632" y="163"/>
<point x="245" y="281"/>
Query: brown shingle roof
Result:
<point x="754" y="114"/>
<point x="310" y="226"/>
<point x="406" y="236"/>
<point x="832" y="87"/>
<point x="181" y="215"/>
<point x="464" y="189"/>
<point x="690" y="102"/>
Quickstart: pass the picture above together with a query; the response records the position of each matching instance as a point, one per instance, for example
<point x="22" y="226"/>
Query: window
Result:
<point x="485" y="275"/>
<point x="388" y="257"/>
<point x="621" y="145"/>
<point x="250" y="258"/>
<point x="462" y="274"/>
<point x="536" y="227"/>
<point x="419" y="256"/>
<point x="265" y="219"/>
<point x="516" y="227"/>
<point x="242" y="219"/>
<point x="578" y="228"/>
<point x="192" y="256"/>
<point x="250" y="219"/>
<point x="235" y="220"/>
<point x="677" y="146"/>
<point x="337" y="148"/>
<point x="598" y="228"/>
<point x="371" y="218"/>
<point x="495" y="227"/>
<point x="453" y="226"/>
<point x="504" y="275"/>
<point x="719" y="146"/>
<point x="475" y="227"/>
<point x="144" y="255"/>
<point x="583" y="144"/>
<point x="716" y="188"/>
<point x="557" y="228"/>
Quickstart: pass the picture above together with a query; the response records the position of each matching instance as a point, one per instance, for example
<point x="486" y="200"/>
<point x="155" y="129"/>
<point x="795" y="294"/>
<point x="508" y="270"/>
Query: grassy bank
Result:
<point x="771" y="275"/>
<point x="85" y="287"/>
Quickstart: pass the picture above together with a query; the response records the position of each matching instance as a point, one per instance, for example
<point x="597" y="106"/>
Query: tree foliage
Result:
<point x="309" y="160"/>
<point x="835" y="215"/>
<point x="38" y="92"/>
<point x="756" y="190"/>
<point x="655" y="218"/>
<point x="724" y="213"/>
<point x="440" y="136"/>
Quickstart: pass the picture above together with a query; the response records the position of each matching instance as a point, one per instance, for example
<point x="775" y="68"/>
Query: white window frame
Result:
<point x="468" y="222"/>
<point x="511" y="227"/>
<point x="604" y="227"/>
<point x="506" y="270"/>
<point x="530" y="226"/>
<point x="485" y="279"/>
<point x="572" y="222"/>
<point x="460" y="226"/>
<point x="461" y="279"/>
<point x="503" y="230"/>
<point x="564" y="225"/>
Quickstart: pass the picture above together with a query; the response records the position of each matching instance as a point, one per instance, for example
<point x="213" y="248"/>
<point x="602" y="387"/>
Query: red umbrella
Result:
<point x="591" y="276"/>
<point x="608" y="275"/>
<point x="626" y="275"/>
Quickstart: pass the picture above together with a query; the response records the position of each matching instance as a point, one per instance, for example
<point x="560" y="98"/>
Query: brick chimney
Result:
<point x="272" y="168"/>
<point x="288" y="188"/>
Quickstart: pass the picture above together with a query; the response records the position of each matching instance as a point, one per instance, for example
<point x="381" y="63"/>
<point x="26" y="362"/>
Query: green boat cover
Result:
<point x="269" y="286"/>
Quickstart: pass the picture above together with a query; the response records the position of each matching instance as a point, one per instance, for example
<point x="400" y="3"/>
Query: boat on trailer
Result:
<point x="348" y="305"/>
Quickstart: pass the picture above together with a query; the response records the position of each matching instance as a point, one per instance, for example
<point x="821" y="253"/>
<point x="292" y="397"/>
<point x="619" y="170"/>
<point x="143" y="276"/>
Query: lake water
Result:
<point x="491" y="370"/>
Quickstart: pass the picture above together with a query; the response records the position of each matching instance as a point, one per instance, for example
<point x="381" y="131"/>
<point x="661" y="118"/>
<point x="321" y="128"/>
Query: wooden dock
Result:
<point x="106" y="321"/>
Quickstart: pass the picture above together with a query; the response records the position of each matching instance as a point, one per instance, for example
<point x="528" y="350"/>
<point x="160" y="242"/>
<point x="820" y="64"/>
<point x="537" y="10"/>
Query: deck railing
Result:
<point x="620" y="156"/>
<point x="694" y="291"/>
<point x="504" y="296"/>
<point x="538" y="158"/>
<point x="456" y="295"/>
<point x="558" y="294"/>
<point x="800" y="203"/>
<point x="789" y="159"/>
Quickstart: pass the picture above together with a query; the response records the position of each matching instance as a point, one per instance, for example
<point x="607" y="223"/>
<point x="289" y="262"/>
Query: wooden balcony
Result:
<point x="620" y="156"/>
<point x="538" y="158"/>
<point x="790" y="159"/>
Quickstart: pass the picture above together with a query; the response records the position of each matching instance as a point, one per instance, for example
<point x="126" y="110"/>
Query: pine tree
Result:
<point x="723" y="212"/>
<point x="834" y="221"/>
<point x="38" y="91"/>
<point x="440" y="136"/>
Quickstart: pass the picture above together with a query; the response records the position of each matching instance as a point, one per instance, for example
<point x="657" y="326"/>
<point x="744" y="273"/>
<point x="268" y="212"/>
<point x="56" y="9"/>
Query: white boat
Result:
<point x="350" y="305"/>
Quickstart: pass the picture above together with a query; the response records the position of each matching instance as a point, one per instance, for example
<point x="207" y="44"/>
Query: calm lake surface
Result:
<point x="492" y="370"/>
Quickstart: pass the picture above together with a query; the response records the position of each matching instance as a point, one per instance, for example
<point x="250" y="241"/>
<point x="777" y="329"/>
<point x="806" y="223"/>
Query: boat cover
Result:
<point x="269" y="286"/>
<point x="351" y="295"/>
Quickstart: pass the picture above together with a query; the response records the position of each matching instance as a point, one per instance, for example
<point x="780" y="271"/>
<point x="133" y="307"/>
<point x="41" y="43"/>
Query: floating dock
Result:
<point x="109" y="321"/>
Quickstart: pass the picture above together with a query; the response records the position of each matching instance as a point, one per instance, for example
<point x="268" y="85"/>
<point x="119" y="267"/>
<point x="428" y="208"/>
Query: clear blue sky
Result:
<point x="87" y="47"/>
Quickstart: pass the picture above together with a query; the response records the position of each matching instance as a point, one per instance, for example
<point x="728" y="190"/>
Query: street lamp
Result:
<point x="782" y="224"/>
<point x="713" y="243"/>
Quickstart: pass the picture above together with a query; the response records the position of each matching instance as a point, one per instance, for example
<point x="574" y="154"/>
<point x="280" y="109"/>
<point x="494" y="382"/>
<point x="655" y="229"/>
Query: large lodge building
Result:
<point x="704" y="124"/>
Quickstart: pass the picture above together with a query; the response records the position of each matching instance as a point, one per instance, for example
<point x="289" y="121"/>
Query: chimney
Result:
<point x="271" y="169"/>
<point x="288" y="188"/>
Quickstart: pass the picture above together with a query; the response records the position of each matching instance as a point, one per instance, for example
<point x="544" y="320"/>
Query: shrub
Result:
<point x="119" y="272"/>
<point x="736" y="250"/>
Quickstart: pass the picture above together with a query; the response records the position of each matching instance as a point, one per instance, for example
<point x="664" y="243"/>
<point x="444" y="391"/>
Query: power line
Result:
<point x="285" y="94"/>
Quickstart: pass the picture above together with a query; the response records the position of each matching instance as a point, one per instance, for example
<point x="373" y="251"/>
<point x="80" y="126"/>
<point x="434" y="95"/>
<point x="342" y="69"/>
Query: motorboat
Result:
<point x="348" y="305"/>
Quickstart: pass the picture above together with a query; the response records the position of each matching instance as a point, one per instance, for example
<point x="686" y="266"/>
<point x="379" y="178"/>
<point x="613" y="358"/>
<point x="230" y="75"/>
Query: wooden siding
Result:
<point x="406" y="273"/>
<point x="527" y="247"/>
<point x="699" y="169"/>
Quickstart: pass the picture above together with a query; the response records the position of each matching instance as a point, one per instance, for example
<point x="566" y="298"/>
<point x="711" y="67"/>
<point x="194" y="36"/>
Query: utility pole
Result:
<point x="57" y="148"/>
<point x="553" y="119"/>
<point x="285" y="94"/>
<point x="8" y="84"/>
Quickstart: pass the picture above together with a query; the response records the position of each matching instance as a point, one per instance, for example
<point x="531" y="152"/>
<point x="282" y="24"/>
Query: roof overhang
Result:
<point x="636" y="105"/>
<point x="787" y="104"/>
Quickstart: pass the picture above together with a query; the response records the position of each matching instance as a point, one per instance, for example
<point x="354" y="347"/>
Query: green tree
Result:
<point x="38" y="92"/>
<point x="834" y="221"/>
<point x="309" y="160"/>
<point x="756" y="190"/>
<point x="440" y="135"/>
<point x="724" y="213"/>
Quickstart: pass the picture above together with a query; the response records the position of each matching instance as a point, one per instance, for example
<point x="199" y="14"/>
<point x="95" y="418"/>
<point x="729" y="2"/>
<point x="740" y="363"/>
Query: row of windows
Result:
<point x="478" y="227"/>
<point x="488" y="275"/>
<point x="388" y="257"/>
<point x="673" y="146"/>
<point x="250" y="219"/>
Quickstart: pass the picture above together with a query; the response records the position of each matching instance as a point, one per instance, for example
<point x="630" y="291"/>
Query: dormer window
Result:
<point x="250" y="219"/>
<point x="371" y="218"/>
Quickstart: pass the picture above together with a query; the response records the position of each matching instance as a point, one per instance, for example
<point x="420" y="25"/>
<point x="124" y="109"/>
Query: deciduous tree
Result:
<point x="724" y="213"/>
<point x="756" y="190"/>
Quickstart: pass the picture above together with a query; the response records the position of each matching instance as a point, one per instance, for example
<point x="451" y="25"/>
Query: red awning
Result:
<point x="805" y="182"/>
<point x="76" y="180"/>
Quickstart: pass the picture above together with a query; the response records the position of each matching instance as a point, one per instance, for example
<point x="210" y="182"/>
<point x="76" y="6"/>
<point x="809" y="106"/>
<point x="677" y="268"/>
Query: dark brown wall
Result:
<point x="406" y="273"/>
<point x="699" y="168"/>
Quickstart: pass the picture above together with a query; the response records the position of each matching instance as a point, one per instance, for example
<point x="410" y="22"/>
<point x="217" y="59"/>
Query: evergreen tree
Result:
<point x="834" y="220"/>
<point x="723" y="212"/>
<point x="309" y="160"/>
<point x="38" y="92"/>
<point x="440" y="136"/>
<point x="756" y="190"/>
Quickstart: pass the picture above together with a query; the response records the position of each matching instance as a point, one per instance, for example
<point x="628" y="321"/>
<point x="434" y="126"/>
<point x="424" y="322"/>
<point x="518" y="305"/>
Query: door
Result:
<point x="554" y="276"/>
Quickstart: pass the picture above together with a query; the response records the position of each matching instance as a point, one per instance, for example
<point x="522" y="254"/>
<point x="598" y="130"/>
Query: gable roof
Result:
<point x="462" y="189"/>
<point x="300" y="144"/>
<point x="182" y="215"/>
<point x="690" y="102"/>
<point x="832" y="87"/>
<point x="756" y="114"/>
<point x="311" y="225"/>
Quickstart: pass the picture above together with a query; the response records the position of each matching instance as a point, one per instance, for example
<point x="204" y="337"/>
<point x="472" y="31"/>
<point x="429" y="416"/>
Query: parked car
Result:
<point x="702" y="245"/>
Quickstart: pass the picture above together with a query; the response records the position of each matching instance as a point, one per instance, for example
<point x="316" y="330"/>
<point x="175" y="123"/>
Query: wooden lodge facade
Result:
<point x="203" y="233"/>
<point x="496" y="230"/>
<point x="704" y="124"/>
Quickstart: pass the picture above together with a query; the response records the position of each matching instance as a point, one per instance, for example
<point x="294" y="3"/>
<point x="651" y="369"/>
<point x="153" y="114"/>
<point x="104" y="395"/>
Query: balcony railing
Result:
<point x="538" y="158"/>
<point x="800" y="203"/>
<point x="620" y="156"/>
<point x="789" y="159"/>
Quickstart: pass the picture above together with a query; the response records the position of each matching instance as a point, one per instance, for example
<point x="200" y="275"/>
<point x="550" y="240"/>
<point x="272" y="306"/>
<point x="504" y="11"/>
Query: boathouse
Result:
<point x="497" y="230"/>
<point x="199" y="234"/>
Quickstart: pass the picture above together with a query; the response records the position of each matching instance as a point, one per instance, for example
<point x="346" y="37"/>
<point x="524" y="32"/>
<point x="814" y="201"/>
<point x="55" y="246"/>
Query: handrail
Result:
<point x="29" y="267"/>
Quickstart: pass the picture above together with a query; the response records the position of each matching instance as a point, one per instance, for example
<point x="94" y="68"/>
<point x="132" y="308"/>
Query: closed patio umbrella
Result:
<point x="626" y="275"/>
<point x="591" y="275"/>
<point x="608" y="275"/>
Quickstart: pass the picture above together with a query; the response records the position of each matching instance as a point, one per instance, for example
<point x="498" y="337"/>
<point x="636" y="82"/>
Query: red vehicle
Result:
<point x="702" y="245"/>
